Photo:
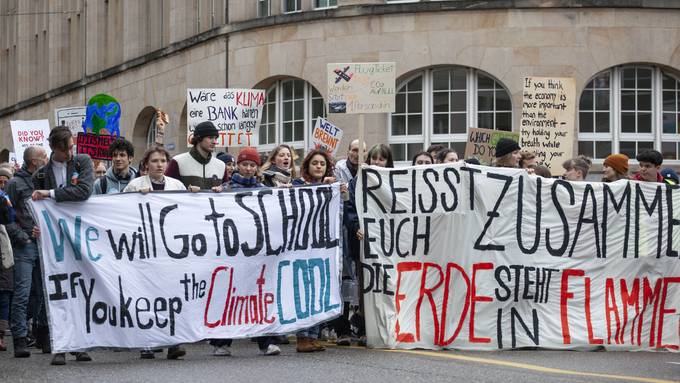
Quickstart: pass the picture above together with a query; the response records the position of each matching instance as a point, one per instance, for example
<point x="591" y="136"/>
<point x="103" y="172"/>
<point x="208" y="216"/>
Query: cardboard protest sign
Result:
<point x="97" y="147"/>
<point x="102" y="114"/>
<point x="73" y="118"/>
<point x="236" y="114"/>
<point x="326" y="135"/>
<point x="482" y="143"/>
<point x="473" y="257"/>
<point x="361" y="87"/>
<point x="29" y="133"/>
<point x="134" y="270"/>
<point x="547" y="125"/>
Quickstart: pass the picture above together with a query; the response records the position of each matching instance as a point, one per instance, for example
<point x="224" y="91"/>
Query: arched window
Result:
<point x="289" y="114"/>
<point x="629" y="109"/>
<point x="438" y="105"/>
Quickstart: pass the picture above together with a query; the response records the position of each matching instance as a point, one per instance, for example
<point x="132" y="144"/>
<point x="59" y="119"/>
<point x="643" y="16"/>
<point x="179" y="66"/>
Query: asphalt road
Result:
<point x="350" y="365"/>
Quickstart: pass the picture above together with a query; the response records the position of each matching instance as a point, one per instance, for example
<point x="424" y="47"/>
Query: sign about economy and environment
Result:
<point x="326" y="135"/>
<point x="547" y="123"/>
<point x="481" y="143"/>
<point x="73" y="118"/>
<point x="480" y="258"/>
<point x="29" y="133"/>
<point x="134" y="270"/>
<point x="236" y="114"/>
<point x="361" y="87"/>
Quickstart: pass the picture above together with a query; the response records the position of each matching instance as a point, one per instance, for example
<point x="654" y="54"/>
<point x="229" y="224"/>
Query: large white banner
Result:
<point x="133" y="270"/>
<point x="472" y="257"/>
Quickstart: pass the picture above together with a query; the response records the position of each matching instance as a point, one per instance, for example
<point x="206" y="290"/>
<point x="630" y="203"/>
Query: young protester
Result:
<point x="119" y="175"/>
<point x="7" y="216"/>
<point x="615" y="168"/>
<point x="446" y="156"/>
<point x="527" y="159"/>
<point x="197" y="168"/>
<point x="156" y="161"/>
<point x="422" y="158"/>
<point x="317" y="168"/>
<point x="65" y="178"/>
<point x="540" y="170"/>
<point x="5" y="175"/>
<point x="245" y="177"/>
<point x="576" y="169"/>
<point x="507" y="153"/>
<point x="650" y="163"/>
<point x="434" y="149"/>
<point x="229" y="162"/>
<point x="279" y="170"/>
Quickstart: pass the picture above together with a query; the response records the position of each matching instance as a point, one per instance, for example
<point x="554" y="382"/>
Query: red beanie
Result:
<point x="249" y="154"/>
<point x="618" y="162"/>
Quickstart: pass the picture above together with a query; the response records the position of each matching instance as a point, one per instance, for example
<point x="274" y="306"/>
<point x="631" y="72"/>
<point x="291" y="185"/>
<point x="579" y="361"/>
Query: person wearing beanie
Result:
<point x="650" y="162"/>
<point x="507" y="153"/>
<point x="229" y="162"/>
<point x="5" y="175"/>
<point x="670" y="177"/>
<point x="615" y="168"/>
<point x="198" y="169"/>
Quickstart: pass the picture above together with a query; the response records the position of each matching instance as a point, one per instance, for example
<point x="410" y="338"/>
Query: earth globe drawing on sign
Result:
<point x="102" y="112"/>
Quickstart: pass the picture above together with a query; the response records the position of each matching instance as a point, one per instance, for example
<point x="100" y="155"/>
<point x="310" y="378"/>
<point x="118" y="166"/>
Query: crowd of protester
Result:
<point x="68" y="177"/>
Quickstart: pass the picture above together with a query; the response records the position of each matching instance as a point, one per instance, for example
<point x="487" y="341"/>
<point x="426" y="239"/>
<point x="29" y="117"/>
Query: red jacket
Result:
<point x="638" y="177"/>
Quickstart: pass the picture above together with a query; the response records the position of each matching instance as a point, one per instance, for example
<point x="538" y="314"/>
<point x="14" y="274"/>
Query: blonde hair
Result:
<point x="271" y="159"/>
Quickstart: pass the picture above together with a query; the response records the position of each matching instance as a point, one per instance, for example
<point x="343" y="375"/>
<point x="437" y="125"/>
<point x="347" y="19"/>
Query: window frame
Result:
<point x="268" y="6"/>
<point x="427" y="136"/>
<point x="298" y="7"/>
<point x="615" y="135"/>
<point x="328" y="6"/>
<point x="308" y="119"/>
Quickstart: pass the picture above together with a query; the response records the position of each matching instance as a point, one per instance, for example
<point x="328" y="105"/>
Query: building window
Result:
<point x="290" y="6"/>
<point x="618" y="113"/>
<point x="325" y="3"/>
<point x="263" y="8"/>
<point x="289" y="114"/>
<point x="437" y="106"/>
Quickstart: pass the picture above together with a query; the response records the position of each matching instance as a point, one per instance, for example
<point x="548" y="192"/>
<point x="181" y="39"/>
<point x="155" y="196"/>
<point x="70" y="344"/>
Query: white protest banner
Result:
<point x="480" y="258"/>
<point x="30" y="133"/>
<point x="361" y="87"/>
<point x="133" y="270"/>
<point x="547" y="125"/>
<point x="326" y="135"/>
<point x="72" y="118"/>
<point x="236" y="114"/>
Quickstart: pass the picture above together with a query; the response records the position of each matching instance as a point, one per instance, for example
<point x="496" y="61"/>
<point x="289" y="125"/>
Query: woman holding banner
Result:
<point x="507" y="154"/>
<point x="279" y="170"/>
<point x="615" y="168"/>
<point x="156" y="161"/>
<point x="317" y="168"/>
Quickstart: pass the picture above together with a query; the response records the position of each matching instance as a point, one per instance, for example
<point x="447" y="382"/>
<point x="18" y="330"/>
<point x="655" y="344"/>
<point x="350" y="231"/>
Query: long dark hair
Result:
<point x="304" y="168"/>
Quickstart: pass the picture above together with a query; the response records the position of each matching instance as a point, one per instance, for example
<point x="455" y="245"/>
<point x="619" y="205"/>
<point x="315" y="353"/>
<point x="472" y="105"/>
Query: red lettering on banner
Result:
<point x="647" y="296"/>
<point x="630" y="299"/>
<point x="589" y="324"/>
<point x="477" y="298"/>
<point x="210" y="293"/>
<point x="664" y="311"/>
<point x="463" y="314"/>
<point x="404" y="267"/>
<point x="427" y="291"/>
<point x="565" y="295"/>
<point x="609" y="308"/>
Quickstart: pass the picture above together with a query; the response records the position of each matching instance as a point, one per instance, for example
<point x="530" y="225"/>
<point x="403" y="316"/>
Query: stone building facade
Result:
<point x="460" y="64"/>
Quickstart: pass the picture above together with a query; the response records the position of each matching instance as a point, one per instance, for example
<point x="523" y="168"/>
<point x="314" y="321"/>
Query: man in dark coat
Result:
<point x="65" y="178"/>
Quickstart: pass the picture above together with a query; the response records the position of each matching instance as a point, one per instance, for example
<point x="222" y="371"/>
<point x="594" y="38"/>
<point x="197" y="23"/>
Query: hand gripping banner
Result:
<point x="473" y="257"/>
<point x="133" y="270"/>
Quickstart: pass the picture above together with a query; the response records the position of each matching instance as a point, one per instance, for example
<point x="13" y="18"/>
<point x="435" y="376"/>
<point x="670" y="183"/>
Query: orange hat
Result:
<point x="618" y="162"/>
<point x="249" y="154"/>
